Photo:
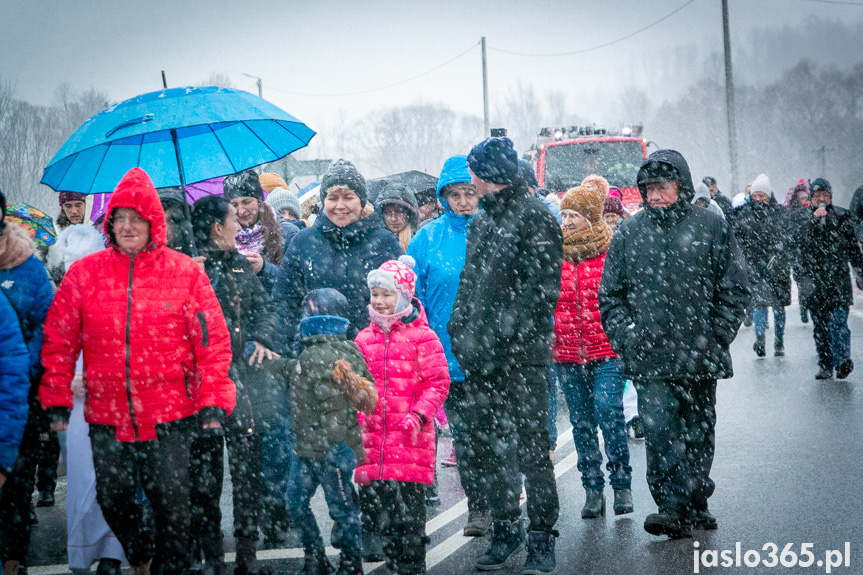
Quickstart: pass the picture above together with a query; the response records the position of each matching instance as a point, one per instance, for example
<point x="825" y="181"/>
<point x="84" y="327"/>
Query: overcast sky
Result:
<point x="338" y="47"/>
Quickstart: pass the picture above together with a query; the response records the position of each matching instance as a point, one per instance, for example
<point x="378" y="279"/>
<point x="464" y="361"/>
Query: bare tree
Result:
<point x="219" y="79"/>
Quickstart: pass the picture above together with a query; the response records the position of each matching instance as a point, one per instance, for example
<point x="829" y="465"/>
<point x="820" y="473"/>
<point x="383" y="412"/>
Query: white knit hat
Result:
<point x="761" y="184"/>
<point x="280" y="199"/>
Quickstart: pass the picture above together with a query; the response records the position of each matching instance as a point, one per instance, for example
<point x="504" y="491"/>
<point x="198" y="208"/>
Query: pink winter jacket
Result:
<point x="411" y="374"/>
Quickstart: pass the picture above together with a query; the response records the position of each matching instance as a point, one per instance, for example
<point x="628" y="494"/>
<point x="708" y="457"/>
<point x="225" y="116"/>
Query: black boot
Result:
<point x="667" y="523"/>
<point x="622" y="501"/>
<point x="704" y="519"/>
<point x="779" y="348"/>
<point x="109" y="566"/>
<point x="844" y="369"/>
<point x="540" y="554"/>
<point x="507" y="539"/>
<point x="316" y="563"/>
<point x="46" y="498"/>
<point x="760" y="346"/>
<point x="594" y="504"/>
<point x="825" y="373"/>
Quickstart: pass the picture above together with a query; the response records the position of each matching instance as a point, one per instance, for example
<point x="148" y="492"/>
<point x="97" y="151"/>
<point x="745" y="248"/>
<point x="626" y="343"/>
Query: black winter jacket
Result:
<point x="327" y="256"/>
<point x="250" y="315"/>
<point x="827" y="246"/>
<point x="764" y="234"/>
<point x="674" y="288"/>
<point x="509" y="285"/>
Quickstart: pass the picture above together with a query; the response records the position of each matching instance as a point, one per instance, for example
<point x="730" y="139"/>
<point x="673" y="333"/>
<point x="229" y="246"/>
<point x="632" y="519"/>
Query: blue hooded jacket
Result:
<point x="439" y="249"/>
<point x="14" y="385"/>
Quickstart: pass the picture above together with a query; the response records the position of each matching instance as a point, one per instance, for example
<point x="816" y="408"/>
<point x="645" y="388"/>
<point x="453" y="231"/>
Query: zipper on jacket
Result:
<point x="384" y="406"/>
<point x="581" y="352"/>
<point x="128" y="345"/>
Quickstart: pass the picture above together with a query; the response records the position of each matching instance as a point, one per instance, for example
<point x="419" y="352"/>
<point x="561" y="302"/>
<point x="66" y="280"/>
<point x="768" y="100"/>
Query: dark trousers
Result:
<point x="207" y="469"/>
<point x="163" y="468"/>
<point x="49" y="458"/>
<point x="397" y="511"/>
<point x="679" y="418"/>
<point x="277" y="443"/>
<point x="506" y="429"/>
<point x="832" y="336"/>
<point x="17" y="495"/>
<point x="458" y="415"/>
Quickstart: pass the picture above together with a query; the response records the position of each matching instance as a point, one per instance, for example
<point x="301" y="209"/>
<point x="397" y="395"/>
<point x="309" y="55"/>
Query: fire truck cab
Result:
<point x="563" y="157"/>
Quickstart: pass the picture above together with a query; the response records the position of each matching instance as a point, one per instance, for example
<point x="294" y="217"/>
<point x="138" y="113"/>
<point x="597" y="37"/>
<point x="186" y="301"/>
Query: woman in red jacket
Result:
<point x="156" y="358"/>
<point x="588" y="370"/>
<point x="411" y="375"/>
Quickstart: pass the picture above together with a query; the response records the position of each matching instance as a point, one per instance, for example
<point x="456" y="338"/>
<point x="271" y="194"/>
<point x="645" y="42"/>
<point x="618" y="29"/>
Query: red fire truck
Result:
<point x="562" y="157"/>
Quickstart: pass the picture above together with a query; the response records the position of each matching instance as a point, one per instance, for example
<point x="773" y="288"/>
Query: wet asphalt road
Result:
<point x="788" y="469"/>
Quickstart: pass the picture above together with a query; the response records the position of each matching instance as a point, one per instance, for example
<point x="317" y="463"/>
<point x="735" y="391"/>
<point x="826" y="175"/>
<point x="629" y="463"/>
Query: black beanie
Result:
<point x="344" y="173"/>
<point x="527" y="174"/>
<point x="246" y="183"/>
<point x="820" y="185"/>
<point x="494" y="160"/>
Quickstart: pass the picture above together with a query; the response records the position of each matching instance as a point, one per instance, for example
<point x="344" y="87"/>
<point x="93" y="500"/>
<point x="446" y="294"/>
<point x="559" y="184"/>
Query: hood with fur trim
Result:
<point x="136" y="191"/>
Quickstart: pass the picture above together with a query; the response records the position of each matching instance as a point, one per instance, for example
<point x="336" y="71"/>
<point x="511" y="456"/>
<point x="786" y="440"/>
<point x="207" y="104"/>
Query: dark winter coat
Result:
<point x="674" y="288"/>
<point x="724" y="203"/>
<point x="763" y="232"/>
<point x="321" y="412"/>
<point x="827" y="246"/>
<point x="327" y="256"/>
<point x="250" y="315"/>
<point x="510" y="283"/>
<point x="856" y="209"/>
<point x="14" y="385"/>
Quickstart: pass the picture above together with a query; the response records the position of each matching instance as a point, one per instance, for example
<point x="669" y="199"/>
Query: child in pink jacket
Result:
<point x="411" y="375"/>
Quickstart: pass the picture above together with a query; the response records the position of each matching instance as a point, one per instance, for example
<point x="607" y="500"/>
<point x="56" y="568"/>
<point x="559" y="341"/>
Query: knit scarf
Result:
<point x="586" y="244"/>
<point x="15" y="247"/>
<point x="386" y="321"/>
<point x="251" y="239"/>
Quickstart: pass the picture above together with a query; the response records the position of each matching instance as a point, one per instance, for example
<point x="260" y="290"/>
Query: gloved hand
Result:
<point x="412" y="424"/>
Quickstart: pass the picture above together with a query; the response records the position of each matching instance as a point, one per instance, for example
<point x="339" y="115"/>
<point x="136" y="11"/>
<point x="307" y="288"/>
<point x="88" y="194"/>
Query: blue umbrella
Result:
<point x="178" y="136"/>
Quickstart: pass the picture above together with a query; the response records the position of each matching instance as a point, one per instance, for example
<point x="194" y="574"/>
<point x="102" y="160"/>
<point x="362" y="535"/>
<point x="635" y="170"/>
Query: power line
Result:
<point x="604" y="45"/>
<point x="370" y="90"/>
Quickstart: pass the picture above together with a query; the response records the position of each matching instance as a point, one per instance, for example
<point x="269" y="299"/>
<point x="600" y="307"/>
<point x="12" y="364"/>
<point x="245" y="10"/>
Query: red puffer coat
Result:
<point x="578" y="334"/>
<point x="411" y="374"/>
<point x="156" y="346"/>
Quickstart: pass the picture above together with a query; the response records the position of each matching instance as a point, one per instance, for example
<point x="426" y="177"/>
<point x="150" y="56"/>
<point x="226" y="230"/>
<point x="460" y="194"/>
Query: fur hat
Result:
<point x="71" y="197"/>
<point x="344" y="173"/>
<point x="397" y="276"/>
<point x="598" y="182"/>
<point x="78" y="241"/>
<point x="244" y="184"/>
<point x="761" y="184"/>
<point x="612" y="205"/>
<point x="495" y="161"/>
<point x="270" y="181"/>
<point x="280" y="199"/>
<point x="586" y="200"/>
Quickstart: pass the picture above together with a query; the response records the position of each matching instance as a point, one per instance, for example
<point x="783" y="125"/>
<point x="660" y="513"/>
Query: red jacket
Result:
<point x="411" y="374"/>
<point x="578" y="335"/>
<point x="155" y="342"/>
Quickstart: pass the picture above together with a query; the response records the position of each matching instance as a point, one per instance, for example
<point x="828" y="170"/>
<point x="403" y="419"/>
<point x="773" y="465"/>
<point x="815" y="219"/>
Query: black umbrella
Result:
<point x="414" y="180"/>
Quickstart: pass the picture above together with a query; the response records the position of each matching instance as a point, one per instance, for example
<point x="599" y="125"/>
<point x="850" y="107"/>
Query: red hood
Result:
<point x="136" y="191"/>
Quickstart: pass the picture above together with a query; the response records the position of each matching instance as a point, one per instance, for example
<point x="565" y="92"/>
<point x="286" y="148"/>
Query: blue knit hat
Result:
<point x="494" y="160"/>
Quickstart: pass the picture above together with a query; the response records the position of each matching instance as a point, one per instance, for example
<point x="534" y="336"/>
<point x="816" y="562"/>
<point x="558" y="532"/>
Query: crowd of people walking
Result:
<point x="333" y="353"/>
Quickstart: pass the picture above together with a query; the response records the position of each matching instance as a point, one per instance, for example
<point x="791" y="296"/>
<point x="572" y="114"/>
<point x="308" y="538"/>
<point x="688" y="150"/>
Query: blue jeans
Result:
<point x="594" y="394"/>
<point x="832" y="336"/>
<point x="759" y="318"/>
<point x="334" y="474"/>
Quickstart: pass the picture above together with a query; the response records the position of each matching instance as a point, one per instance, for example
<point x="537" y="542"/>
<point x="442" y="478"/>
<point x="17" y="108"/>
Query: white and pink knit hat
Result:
<point x="397" y="276"/>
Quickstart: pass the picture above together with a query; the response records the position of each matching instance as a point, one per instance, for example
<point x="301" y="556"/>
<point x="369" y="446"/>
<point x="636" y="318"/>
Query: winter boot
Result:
<point x="478" y="523"/>
<point x="844" y="369"/>
<point x="109" y="566"/>
<point x="540" y="553"/>
<point x="373" y="547"/>
<point x="316" y="563"/>
<point x="704" y="519"/>
<point x="779" y="348"/>
<point x="450" y="461"/>
<point x="760" y="346"/>
<point x="507" y="539"/>
<point x="350" y="565"/>
<point x="825" y="373"/>
<point x="637" y="428"/>
<point x="668" y="523"/>
<point x="46" y="498"/>
<point x="594" y="504"/>
<point x="622" y="501"/>
<point x="247" y="559"/>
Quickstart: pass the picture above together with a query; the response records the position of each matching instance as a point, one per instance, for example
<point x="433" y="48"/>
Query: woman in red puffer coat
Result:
<point x="156" y="358"/>
<point x="411" y="375"/>
<point x="587" y="369"/>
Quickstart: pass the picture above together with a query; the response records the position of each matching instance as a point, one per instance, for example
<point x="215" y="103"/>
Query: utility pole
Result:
<point x="260" y="84"/>
<point x="164" y="80"/>
<point x="822" y="157"/>
<point x="486" y="125"/>
<point x="729" y="99"/>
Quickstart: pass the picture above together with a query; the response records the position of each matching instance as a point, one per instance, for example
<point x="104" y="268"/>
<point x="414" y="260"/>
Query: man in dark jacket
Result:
<point x="856" y="209"/>
<point x="501" y="330"/>
<point x="717" y="196"/>
<point x="827" y="245"/>
<point x="672" y="297"/>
